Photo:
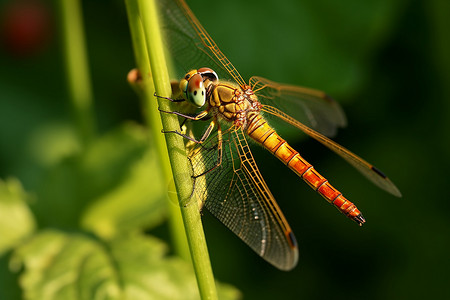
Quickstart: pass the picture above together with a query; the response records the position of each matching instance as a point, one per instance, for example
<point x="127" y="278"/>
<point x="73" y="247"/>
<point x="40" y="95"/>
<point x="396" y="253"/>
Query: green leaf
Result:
<point x="64" y="266"/>
<point x="53" y="141"/>
<point x="139" y="201"/>
<point x="227" y="291"/>
<point x="60" y="265"/>
<point x="116" y="184"/>
<point x="108" y="161"/>
<point x="16" y="219"/>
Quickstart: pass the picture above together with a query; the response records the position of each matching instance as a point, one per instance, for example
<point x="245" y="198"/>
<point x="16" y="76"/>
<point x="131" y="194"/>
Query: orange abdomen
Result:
<point x="265" y="135"/>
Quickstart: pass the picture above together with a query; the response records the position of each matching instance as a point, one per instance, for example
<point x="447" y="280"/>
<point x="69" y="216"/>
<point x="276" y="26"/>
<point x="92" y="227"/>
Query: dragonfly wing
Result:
<point x="368" y="170"/>
<point x="236" y="194"/>
<point x="189" y="43"/>
<point x="312" y="107"/>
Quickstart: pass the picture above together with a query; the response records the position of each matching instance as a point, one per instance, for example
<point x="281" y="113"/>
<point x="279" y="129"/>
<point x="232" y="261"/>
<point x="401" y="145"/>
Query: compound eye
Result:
<point x="183" y="85"/>
<point x="195" y="90"/>
<point x="208" y="73"/>
<point x="189" y="74"/>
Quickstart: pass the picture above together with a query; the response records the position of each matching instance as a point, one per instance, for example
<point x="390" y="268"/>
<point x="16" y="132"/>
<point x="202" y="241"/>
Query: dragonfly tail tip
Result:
<point x="359" y="219"/>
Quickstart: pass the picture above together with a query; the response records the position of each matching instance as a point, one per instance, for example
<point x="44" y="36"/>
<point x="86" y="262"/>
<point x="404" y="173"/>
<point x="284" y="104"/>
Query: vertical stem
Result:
<point x="153" y="120"/>
<point x="78" y="76"/>
<point x="177" y="153"/>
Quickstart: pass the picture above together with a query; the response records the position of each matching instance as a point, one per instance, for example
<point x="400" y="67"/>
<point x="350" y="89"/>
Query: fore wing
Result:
<point x="189" y="43"/>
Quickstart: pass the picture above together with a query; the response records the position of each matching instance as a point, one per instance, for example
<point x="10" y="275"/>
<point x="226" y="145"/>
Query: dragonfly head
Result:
<point x="193" y="88"/>
<point x="193" y="85"/>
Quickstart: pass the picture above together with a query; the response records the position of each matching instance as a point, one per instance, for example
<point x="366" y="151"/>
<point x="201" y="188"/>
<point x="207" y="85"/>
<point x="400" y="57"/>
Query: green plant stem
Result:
<point x="77" y="69"/>
<point x="177" y="153"/>
<point x="154" y="124"/>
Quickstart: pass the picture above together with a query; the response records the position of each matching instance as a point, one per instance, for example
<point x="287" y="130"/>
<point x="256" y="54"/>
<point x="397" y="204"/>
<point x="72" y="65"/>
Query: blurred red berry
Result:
<point x="25" y="26"/>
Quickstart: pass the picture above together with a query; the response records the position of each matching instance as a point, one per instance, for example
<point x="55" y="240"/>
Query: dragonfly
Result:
<point x="225" y="175"/>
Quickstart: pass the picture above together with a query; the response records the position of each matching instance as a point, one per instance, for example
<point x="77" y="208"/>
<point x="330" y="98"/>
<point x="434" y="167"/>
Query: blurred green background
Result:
<point x="387" y="62"/>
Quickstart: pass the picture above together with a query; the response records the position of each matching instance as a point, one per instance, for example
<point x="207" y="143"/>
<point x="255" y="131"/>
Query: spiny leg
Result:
<point x="170" y="99"/>
<point x="205" y="118"/>
<point x="199" y="116"/>
<point x="219" y="152"/>
<point x="196" y="117"/>
<point x="206" y="134"/>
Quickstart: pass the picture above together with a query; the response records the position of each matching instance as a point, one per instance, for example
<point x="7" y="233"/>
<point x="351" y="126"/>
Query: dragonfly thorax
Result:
<point x="233" y="104"/>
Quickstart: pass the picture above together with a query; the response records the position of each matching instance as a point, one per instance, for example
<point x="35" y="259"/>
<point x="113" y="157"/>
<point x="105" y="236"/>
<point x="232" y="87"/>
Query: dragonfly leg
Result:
<point x="201" y="140"/>
<point x="196" y="117"/>
<point x="170" y="99"/>
<point x="219" y="152"/>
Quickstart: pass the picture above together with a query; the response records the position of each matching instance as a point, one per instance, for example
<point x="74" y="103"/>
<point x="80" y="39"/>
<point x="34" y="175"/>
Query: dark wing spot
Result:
<point x="203" y="93"/>
<point x="292" y="239"/>
<point x="195" y="93"/>
<point x="378" y="171"/>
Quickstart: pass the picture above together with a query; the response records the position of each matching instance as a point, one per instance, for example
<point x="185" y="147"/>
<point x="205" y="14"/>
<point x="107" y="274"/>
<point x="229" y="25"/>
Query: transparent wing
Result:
<point x="191" y="47"/>
<point x="368" y="170"/>
<point x="236" y="194"/>
<point x="189" y="44"/>
<point x="311" y="107"/>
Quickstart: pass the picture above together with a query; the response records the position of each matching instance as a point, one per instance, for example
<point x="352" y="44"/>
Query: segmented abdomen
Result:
<point x="261" y="132"/>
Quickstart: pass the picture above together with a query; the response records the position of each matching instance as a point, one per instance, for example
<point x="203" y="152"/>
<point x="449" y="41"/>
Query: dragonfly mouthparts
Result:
<point x="359" y="219"/>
